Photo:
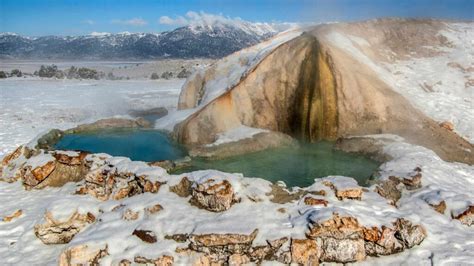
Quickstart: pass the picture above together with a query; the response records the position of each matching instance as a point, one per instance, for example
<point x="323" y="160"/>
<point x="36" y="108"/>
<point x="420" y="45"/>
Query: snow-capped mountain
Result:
<point x="206" y="40"/>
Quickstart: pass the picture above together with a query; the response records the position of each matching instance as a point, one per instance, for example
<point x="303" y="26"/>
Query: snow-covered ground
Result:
<point x="29" y="107"/>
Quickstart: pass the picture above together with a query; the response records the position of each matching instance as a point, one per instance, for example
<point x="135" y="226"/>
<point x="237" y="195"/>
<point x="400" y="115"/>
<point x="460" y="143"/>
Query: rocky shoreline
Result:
<point x="324" y="227"/>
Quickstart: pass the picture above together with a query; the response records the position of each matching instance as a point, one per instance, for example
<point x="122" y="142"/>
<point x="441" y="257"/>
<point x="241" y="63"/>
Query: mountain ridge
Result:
<point x="192" y="41"/>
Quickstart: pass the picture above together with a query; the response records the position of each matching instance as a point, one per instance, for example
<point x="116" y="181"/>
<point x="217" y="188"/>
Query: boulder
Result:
<point x="183" y="188"/>
<point x="106" y="183"/>
<point x="390" y="189"/>
<point x="153" y="209"/>
<point x="12" y="216"/>
<point x="33" y="177"/>
<point x="145" y="235"/>
<point x="222" y="245"/>
<point x="344" y="187"/>
<point x="130" y="215"/>
<point x="164" y="260"/>
<point x="314" y="201"/>
<point x="439" y="207"/>
<point x="213" y="194"/>
<point x="466" y="217"/>
<point x="238" y="259"/>
<point x="61" y="232"/>
<point x="83" y="255"/>
<point x="409" y="234"/>
<point x="305" y="252"/>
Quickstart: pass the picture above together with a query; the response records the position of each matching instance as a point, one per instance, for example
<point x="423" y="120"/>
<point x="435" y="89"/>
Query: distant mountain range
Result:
<point x="193" y="41"/>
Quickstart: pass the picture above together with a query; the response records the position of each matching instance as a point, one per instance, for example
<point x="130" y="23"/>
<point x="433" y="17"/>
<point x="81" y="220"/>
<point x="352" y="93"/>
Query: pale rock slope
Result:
<point x="330" y="82"/>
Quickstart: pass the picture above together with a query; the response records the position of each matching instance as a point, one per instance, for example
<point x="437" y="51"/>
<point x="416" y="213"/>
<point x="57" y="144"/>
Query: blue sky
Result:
<point x="73" y="17"/>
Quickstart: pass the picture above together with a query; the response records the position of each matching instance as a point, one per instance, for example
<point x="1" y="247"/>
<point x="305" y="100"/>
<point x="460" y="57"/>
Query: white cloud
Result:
<point x="131" y="22"/>
<point x="88" y="22"/>
<point x="195" y="18"/>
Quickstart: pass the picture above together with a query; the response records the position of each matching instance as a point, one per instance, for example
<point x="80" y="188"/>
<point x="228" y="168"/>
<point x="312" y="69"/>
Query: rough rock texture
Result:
<point x="313" y="201"/>
<point x="466" y="217"/>
<point x="61" y="232"/>
<point x="305" y="252"/>
<point x="83" y="255"/>
<point x="260" y="141"/>
<point x="12" y="216"/>
<point x="164" y="260"/>
<point x="213" y="195"/>
<point x="222" y="245"/>
<point x="107" y="182"/>
<point x="343" y="239"/>
<point x="309" y="88"/>
<point x="183" y="188"/>
<point x="63" y="168"/>
<point x="110" y="123"/>
<point x="145" y="235"/>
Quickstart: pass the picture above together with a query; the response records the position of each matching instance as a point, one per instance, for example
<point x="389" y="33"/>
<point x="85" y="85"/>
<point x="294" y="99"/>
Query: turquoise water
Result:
<point x="297" y="166"/>
<point x="137" y="144"/>
<point x="294" y="166"/>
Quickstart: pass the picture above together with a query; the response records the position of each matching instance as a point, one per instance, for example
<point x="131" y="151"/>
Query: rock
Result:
<point x="222" y="245"/>
<point x="67" y="158"/>
<point x="153" y="209"/>
<point x="110" y="123"/>
<point x="389" y="189"/>
<point x="305" y="252"/>
<point x="258" y="142"/>
<point x="414" y="180"/>
<point x="213" y="195"/>
<point x="181" y="238"/>
<point x="313" y="201"/>
<point x="183" y="188"/>
<point x="11" y="156"/>
<point x="409" y="234"/>
<point x="62" y="232"/>
<point x="343" y="250"/>
<point x="267" y="252"/>
<point x="278" y="94"/>
<point x="440" y="207"/>
<point x="164" y="260"/>
<point x="238" y="259"/>
<point x="385" y="243"/>
<point x="341" y="238"/>
<point x="447" y="125"/>
<point x="129" y="215"/>
<point x="145" y="235"/>
<point x="282" y="195"/>
<point x="467" y="216"/>
<point x="344" y="188"/>
<point x="35" y="176"/>
<point x="125" y="262"/>
<point x="83" y="255"/>
<point x="12" y="216"/>
<point x="106" y="182"/>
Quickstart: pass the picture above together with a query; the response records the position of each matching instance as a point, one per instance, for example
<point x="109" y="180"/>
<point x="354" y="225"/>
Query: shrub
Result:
<point x="16" y="73"/>
<point x="48" y="71"/>
<point x="166" y="75"/>
<point x="184" y="74"/>
<point x="154" y="76"/>
<point x="3" y="75"/>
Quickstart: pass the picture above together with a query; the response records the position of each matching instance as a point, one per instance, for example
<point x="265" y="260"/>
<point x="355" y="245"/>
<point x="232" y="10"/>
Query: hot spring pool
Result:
<point x="295" y="166"/>
<point x="138" y="144"/>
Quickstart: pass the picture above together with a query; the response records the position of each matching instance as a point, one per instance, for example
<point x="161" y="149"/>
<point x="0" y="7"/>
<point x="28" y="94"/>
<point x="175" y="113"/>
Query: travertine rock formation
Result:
<point x="311" y="89"/>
